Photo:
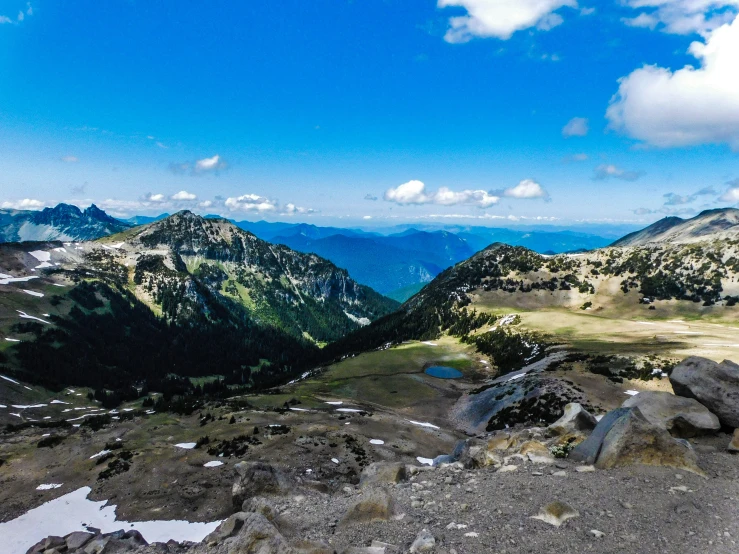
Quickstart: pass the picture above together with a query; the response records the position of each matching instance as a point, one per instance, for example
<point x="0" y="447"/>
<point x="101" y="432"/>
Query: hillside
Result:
<point x="63" y="222"/>
<point x="406" y="259"/>
<point x="708" y="225"/>
<point x="190" y="296"/>
<point x="693" y="278"/>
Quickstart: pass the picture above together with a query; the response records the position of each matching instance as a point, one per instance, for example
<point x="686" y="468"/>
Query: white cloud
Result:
<point x="576" y="127"/>
<point x="414" y="192"/>
<point x="581" y="157"/>
<point x="689" y="106"/>
<point x="70" y="159"/>
<point x="25" y="204"/>
<point x="157" y="198"/>
<point x="501" y="18"/>
<point x="731" y="195"/>
<point x="5" y="19"/>
<point x="527" y="188"/>
<point x="184" y="195"/>
<point x="21" y="16"/>
<point x="251" y="203"/>
<point x="292" y="209"/>
<point x="367" y="217"/>
<point x="206" y="204"/>
<point x="210" y="164"/>
<point x="606" y="171"/>
<point x="161" y="145"/>
<point x="682" y="17"/>
<point x="29" y="11"/>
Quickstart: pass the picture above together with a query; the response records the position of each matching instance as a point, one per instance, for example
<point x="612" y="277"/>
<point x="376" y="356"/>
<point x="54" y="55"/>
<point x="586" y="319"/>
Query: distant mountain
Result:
<point x="144" y="219"/>
<point x="387" y="263"/>
<point x="62" y="222"/>
<point x="269" y="231"/>
<point x="708" y="225"/>
<point x="191" y="296"/>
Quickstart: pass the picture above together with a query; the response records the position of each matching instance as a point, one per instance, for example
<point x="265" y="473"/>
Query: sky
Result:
<point x="486" y="112"/>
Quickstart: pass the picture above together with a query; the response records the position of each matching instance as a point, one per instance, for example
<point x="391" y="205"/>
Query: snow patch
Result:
<point x="377" y="441"/>
<point x="349" y="410"/>
<point x="424" y="424"/>
<point x="101" y="453"/>
<point x="214" y="463"/>
<point x="363" y="321"/>
<point x="34" y="293"/>
<point x="49" y="486"/>
<point x="41" y="256"/>
<point x="425" y="461"/>
<point x="186" y="445"/>
<point x="631" y="392"/>
<point x="336" y="403"/>
<point x="75" y="512"/>
<point x="24" y="315"/>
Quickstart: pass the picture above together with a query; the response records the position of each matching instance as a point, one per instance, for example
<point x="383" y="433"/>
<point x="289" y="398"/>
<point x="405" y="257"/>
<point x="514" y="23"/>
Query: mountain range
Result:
<point x="63" y="222"/>
<point x="708" y="225"/>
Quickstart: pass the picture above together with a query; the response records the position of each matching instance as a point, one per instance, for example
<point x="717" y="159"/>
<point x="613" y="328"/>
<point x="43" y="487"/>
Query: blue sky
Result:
<point x="482" y="111"/>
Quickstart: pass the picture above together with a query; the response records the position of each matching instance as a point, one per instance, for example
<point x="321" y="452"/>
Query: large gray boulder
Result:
<point x="574" y="420"/>
<point x="250" y="533"/>
<point x="714" y="385"/>
<point x="634" y="440"/>
<point x="383" y="473"/>
<point x="373" y="505"/>
<point x="256" y="479"/>
<point x="588" y="450"/>
<point x="682" y="417"/>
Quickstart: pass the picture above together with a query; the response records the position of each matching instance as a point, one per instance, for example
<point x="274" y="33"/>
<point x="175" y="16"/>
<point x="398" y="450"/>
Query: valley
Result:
<point x="522" y="335"/>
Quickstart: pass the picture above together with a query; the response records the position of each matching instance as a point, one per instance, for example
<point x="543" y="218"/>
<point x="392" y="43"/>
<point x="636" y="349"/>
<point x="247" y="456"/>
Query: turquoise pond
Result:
<point x="442" y="372"/>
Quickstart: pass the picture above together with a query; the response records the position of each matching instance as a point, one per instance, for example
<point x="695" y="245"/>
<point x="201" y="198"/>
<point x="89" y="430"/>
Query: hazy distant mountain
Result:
<point x="387" y="263"/>
<point x="144" y="219"/>
<point x="63" y="222"/>
<point x="708" y="225"/>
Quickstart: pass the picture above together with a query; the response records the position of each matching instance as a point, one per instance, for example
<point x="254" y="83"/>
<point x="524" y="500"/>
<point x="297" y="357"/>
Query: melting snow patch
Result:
<point x="101" y="453"/>
<point x="423" y="424"/>
<point x="24" y="315"/>
<point x="33" y="293"/>
<point x="632" y="392"/>
<point x="11" y="340"/>
<point x="41" y="256"/>
<point x="337" y="403"/>
<point x="299" y="409"/>
<point x="425" y="461"/>
<point x="349" y="410"/>
<point x="58" y="402"/>
<point x="376" y="441"/>
<point x="42" y="265"/>
<point x="214" y="463"/>
<point x="3" y="406"/>
<point x="334" y="460"/>
<point x="74" y="512"/>
<point x="48" y="486"/>
<point x="7" y="279"/>
<point x="60" y="250"/>
<point x="186" y="445"/>
<point x="429" y="343"/>
<point x="27" y="407"/>
<point x="519" y="376"/>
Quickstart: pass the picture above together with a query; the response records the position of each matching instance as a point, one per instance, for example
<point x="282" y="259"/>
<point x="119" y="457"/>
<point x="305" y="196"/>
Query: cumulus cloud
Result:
<point x="370" y="197"/>
<point x="157" y="198"/>
<point x="70" y="159"/>
<point x="501" y="18"/>
<point x="292" y="209"/>
<point x="732" y="193"/>
<point x="673" y="199"/>
<point x="686" y="107"/>
<point x="183" y="195"/>
<point x="24" y="204"/>
<point x="251" y="203"/>
<point x="527" y="188"/>
<point x="414" y="192"/>
<point x="606" y="171"/>
<point x="19" y="18"/>
<point x="682" y="17"/>
<point x="576" y="127"/>
<point x="207" y="165"/>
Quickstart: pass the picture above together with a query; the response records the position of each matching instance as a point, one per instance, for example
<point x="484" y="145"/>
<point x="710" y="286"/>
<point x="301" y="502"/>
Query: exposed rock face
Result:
<point x="734" y="444"/>
<point x="716" y="386"/>
<point x="383" y="473"/>
<point x="255" y="479"/>
<point x="574" y="420"/>
<point x="634" y="440"/>
<point x="373" y="505"/>
<point x="588" y="450"/>
<point x="89" y="543"/>
<point x="682" y="417"/>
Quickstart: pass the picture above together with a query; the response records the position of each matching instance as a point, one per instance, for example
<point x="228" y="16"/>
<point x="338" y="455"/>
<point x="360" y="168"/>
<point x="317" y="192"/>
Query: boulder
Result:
<point x="682" y="417"/>
<point x="714" y="385"/>
<point x="78" y="539"/>
<point x="574" y="420"/>
<point x="588" y="450"/>
<point x="46" y="544"/>
<point x="425" y="542"/>
<point x="246" y="533"/>
<point x="536" y="452"/>
<point x="260" y="505"/>
<point x="634" y="440"/>
<point x="734" y="444"/>
<point x="556" y="513"/>
<point x="383" y="473"/>
<point x="373" y="505"/>
<point x="255" y="479"/>
<point x="460" y="453"/>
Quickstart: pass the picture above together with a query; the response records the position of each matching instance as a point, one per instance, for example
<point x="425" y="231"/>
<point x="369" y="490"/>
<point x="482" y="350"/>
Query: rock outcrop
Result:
<point x="714" y="385"/>
<point x="682" y="417"/>
<point x="574" y="420"/>
<point x="256" y="479"/>
<point x="634" y="440"/>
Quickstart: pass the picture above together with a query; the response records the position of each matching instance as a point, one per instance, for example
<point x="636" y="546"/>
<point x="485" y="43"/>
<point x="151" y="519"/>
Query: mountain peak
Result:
<point x="719" y="223"/>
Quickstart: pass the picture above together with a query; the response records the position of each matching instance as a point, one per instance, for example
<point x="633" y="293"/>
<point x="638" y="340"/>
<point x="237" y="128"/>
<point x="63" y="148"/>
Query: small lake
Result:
<point x="443" y="372"/>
